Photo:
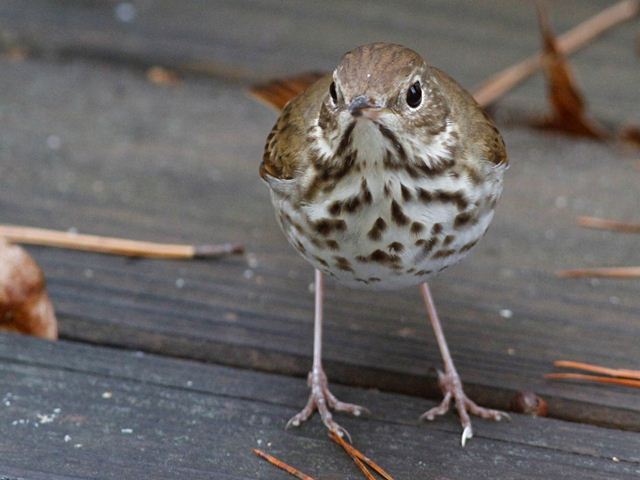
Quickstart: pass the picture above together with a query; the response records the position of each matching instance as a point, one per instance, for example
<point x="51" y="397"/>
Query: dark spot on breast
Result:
<point x="321" y="261"/>
<point x="343" y="264"/>
<point x="468" y="246"/>
<point x="417" y="227"/>
<point x="436" y="229"/>
<point x="325" y="226"/>
<point x="389" y="135"/>
<point x="456" y="197"/>
<point x="443" y="253"/>
<point x="374" y="279"/>
<point x="462" y="219"/>
<point x="333" y="245"/>
<point x="448" y="239"/>
<point x="427" y="245"/>
<point x="352" y="204"/>
<point x="300" y="247"/>
<point x="335" y="208"/>
<point x="421" y="273"/>
<point x="366" y="193"/>
<point x="406" y="193"/>
<point x="345" y="141"/>
<point x="396" y="247"/>
<point x="377" y="229"/>
<point x="424" y="195"/>
<point x="380" y="256"/>
<point x="397" y="214"/>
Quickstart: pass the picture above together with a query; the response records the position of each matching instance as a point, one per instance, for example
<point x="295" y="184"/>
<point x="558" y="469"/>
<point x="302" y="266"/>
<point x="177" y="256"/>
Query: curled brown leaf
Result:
<point x="24" y="304"/>
<point x="567" y="103"/>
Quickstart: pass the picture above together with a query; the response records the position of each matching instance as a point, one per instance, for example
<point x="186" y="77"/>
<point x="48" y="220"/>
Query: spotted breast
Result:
<point x="386" y="175"/>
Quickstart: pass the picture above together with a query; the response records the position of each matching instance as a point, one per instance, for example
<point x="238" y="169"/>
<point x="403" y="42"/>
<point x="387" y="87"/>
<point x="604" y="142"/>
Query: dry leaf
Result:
<point x="568" y="106"/>
<point x="16" y="54"/>
<point x="162" y="76"/>
<point x="631" y="134"/>
<point x="277" y="93"/>
<point x="24" y="304"/>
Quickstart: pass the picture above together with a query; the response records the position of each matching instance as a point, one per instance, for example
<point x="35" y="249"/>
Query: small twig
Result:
<point x="605" y="224"/>
<point x="358" y="455"/>
<point x="627" y="382"/>
<point x="114" y="246"/>
<point x="281" y="465"/>
<point x="607" y="272"/>
<point x="588" y="367"/>
<point x="568" y="43"/>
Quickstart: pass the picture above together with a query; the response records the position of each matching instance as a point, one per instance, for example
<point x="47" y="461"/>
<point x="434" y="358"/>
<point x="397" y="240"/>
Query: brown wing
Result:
<point x="278" y="92"/>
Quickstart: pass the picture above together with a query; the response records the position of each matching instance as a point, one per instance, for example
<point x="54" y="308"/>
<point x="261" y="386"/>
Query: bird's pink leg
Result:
<point x="320" y="398"/>
<point x="450" y="382"/>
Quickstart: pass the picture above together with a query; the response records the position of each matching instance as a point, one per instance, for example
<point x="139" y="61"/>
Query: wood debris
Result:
<point x="615" y="376"/>
<point x="278" y="92"/>
<point x="24" y="304"/>
<point x="281" y="465"/>
<point x="604" y="272"/>
<point x="163" y="77"/>
<point x="568" y="107"/>
<point x="115" y="246"/>
<point x="570" y="42"/>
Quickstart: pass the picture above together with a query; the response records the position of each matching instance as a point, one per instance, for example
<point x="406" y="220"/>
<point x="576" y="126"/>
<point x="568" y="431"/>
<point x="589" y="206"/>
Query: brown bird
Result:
<point x="383" y="174"/>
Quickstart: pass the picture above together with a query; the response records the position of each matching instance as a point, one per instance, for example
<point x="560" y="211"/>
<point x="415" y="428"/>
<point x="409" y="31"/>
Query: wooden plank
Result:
<point x="77" y="411"/>
<point x="272" y="37"/>
<point x="131" y="159"/>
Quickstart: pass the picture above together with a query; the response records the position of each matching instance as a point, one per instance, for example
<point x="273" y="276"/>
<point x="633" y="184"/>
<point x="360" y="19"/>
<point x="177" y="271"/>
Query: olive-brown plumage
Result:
<point x="383" y="174"/>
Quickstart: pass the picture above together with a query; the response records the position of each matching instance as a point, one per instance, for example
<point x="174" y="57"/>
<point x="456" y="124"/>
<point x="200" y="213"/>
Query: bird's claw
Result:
<point x="322" y="400"/>
<point x="451" y="386"/>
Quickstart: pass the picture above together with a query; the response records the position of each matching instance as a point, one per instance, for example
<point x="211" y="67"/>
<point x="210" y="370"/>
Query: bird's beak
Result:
<point x="363" y="106"/>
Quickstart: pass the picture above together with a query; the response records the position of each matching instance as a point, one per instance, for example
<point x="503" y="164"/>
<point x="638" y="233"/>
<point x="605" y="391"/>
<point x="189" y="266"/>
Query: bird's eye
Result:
<point x="414" y="95"/>
<point x="333" y="93"/>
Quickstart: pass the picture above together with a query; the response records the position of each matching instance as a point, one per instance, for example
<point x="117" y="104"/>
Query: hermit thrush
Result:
<point x="383" y="174"/>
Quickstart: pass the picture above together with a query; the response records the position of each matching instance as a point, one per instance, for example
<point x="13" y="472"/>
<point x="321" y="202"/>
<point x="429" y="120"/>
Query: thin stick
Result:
<point x="281" y="465"/>
<point x="355" y="453"/>
<point x="114" y="246"/>
<point x="613" y="372"/>
<point x="605" y="224"/>
<point x="608" y="272"/>
<point x="568" y="43"/>
<point x="593" y="378"/>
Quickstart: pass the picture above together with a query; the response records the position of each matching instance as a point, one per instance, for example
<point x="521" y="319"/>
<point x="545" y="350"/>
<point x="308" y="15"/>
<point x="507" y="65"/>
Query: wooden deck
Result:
<point x="87" y="142"/>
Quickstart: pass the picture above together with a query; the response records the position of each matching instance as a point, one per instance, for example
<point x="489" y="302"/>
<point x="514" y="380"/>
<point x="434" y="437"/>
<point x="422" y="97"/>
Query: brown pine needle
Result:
<point x="358" y="455"/>
<point x="281" y="465"/>
<point x="568" y="43"/>
<point x="593" y="378"/>
<point x="114" y="246"/>
<point x="588" y="367"/>
<point x="605" y="224"/>
<point x="607" y="272"/>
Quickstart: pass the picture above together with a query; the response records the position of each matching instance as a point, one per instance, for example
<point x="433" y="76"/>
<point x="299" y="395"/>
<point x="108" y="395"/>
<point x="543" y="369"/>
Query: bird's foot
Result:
<point x="322" y="400"/>
<point x="451" y="387"/>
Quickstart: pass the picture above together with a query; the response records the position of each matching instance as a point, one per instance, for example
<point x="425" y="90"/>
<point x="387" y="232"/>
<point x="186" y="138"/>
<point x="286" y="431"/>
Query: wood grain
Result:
<point x="108" y="152"/>
<point x="113" y="414"/>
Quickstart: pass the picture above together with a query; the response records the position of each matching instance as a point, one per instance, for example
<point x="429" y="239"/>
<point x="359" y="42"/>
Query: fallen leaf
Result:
<point x="568" y="106"/>
<point x="24" y="304"/>
<point x="162" y="76"/>
<point x="277" y="93"/>
<point x="631" y="134"/>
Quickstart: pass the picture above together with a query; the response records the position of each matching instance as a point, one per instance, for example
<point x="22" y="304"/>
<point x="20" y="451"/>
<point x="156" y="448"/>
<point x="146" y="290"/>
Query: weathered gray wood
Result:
<point x="147" y="162"/>
<point x="129" y="415"/>
<point x="235" y="40"/>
